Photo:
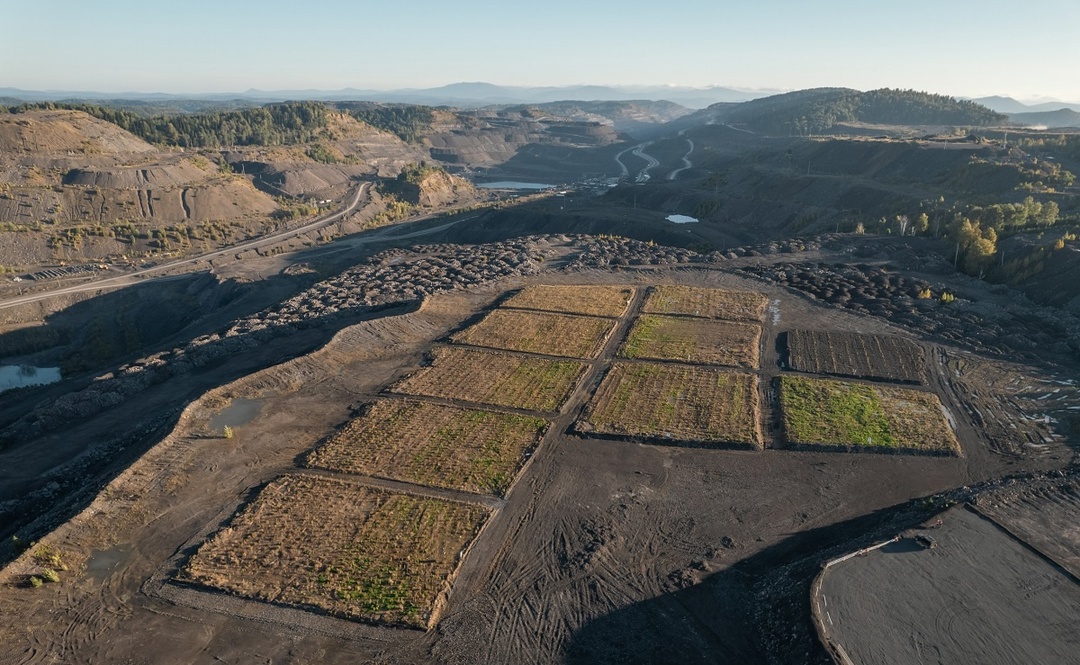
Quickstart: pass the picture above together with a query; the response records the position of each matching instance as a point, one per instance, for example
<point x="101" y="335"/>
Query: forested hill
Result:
<point x="274" y="124"/>
<point x="286" y="123"/>
<point x="820" y="109"/>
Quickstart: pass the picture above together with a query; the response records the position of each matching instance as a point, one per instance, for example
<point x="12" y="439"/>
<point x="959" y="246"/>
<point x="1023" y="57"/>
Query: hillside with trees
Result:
<point x="818" y="110"/>
<point x="274" y="124"/>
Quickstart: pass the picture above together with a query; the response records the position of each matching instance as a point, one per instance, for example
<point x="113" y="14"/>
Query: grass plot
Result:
<point x="432" y="444"/>
<point x="676" y="402"/>
<point x="492" y="377"/>
<point x="339" y="547"/>
<point x="592" y="299"/>
<point x="706" y="303"/>
<point x="693" y="340"/>
<point x="539" y="332"/>
<point x="844" y="415"/>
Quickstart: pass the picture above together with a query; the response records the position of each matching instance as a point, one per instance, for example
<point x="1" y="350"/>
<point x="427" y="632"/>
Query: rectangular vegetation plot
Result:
<point x="433" y="444"/>
<point x="706" y="303"/>
<point x="693" y="340"/>
<point x="594" y="300"/>
<point x="853" y="354"/>
<point x="854" y="416"/>
<point x="495" y="378"/>
<point x="675" y="402"/>
<point x="342" y="548"/>
<point x="539" y="332"/>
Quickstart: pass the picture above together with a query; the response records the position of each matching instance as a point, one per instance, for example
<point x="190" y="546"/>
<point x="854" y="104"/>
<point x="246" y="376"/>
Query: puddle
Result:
<point x="102" y="563"/>
<point x="20" y="376"/>
<point x="681" y="219"/>
<point x="510" y="184"/>
<point x="239" y="412"/>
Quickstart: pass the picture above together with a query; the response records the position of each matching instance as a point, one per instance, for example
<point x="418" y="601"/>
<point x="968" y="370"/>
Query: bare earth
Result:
<point x="977" y="596"/>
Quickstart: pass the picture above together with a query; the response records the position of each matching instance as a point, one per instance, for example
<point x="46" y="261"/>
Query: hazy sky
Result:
<point x="958" y="47"/>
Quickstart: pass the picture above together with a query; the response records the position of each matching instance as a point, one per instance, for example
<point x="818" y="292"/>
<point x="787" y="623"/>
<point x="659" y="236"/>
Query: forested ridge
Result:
<point x="273" y="124"/>
<point x="286" y="123"/>
<point x="818" y="110"/>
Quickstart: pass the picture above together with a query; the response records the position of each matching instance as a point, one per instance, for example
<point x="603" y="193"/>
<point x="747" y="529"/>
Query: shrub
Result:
<point x="227" y="432"/>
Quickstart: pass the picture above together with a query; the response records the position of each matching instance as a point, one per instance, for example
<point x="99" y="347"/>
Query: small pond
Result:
<point x="20" y="376"/>
<point x="239" y="412"/>
<point x="510" y="184"/>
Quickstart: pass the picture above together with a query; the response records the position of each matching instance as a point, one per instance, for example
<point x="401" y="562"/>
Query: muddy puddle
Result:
<point x="102" y="563"/>
<point x="239" y="412"/>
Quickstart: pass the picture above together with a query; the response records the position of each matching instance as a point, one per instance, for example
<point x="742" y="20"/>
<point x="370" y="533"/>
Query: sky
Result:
<point x="968" y="48"/>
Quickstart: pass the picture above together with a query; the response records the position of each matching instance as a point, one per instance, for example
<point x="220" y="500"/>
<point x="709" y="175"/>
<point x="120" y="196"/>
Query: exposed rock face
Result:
<point x="43" y="133"/>
<point x="431" y="187"/>
<point x="489" y="138"/>
<point x="170" y="174"/>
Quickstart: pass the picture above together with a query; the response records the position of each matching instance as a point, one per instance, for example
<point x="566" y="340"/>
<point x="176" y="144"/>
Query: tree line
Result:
<point x="817" y="111"/>
<point x="286" y="123"/>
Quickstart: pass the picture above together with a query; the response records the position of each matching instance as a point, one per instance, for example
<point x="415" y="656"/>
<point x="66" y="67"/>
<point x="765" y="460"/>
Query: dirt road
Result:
<point x="685" y="160"/>
<point x="143" y="275"/>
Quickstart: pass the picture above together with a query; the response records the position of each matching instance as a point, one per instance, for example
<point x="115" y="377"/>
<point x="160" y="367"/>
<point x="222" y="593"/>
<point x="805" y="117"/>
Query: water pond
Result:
<point x="511" y="184"/>
<point x="239" y="412"/>
<point x="20" y="376"/>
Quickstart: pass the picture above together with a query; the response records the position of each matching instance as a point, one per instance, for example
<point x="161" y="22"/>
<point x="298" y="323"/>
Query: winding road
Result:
<point x="637" y="151"/>
<point x="138" y="276"/>
<point x="685" y="160"/>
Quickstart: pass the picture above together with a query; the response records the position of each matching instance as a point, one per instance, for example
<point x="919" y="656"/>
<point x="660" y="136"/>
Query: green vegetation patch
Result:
<point x="352" y="551"/>
<point x="539" y="332"/>
<point x="495" y="378"/>
<point x="693" y="340"/>
<point x="676" y="402"/>
<point x="823" y="412"/>
<point x="433" y="444"/>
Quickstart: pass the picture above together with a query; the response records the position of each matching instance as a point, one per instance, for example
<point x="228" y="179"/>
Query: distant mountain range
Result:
<point x="1043" y="114"/>
<point x="462" y="95"/>
<point x="1009" y="106"/>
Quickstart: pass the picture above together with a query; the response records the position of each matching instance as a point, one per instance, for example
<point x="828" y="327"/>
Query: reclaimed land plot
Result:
<point x="495" y="378"/>
<point x="706" y="303"/>
<point x="341" y="548"/>
<point x="593" y="300"/>
<point x="684" y="403"/>
<point x="693" y="340"/>
<point x="563" y="335"/>
<point x="852" y="354"/>
<point x="840" y="415"/>
<point x="433" y="444"/>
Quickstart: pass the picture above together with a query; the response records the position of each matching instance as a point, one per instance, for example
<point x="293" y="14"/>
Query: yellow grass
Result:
<point x="432" y="444"/>
<point x="595" y="300"/>
<point x="693" y="340"/>
<point x="339" y="547"/>
<point x="495" y="378"/>
<point x="677" y="402"/>
<point x="706" y="303"/>
<point x="539" y="332"/>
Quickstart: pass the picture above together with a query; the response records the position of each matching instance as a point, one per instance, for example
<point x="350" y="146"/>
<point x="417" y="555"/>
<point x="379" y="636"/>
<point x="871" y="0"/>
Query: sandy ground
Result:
<point x="603" y="550"/>
<point x="977" y="596"/>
